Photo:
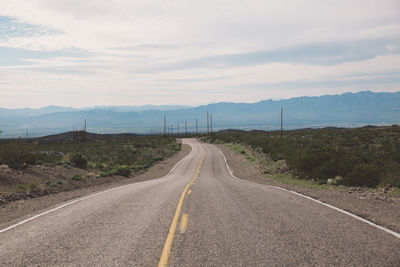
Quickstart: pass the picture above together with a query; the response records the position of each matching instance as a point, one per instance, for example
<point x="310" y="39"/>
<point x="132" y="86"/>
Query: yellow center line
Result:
<point x="172" y="229"/>
<point x="184" y="223"/>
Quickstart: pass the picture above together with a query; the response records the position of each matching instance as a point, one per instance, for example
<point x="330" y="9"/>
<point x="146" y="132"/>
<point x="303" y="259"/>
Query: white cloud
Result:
<point x="128" y="49"/>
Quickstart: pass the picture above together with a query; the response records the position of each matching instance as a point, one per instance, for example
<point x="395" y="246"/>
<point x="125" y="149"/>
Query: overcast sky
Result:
<point x="114" y="52"/>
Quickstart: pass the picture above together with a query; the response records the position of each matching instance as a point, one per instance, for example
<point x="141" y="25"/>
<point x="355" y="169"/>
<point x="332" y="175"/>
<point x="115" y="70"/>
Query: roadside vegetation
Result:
<point x="55" y="163"/>
<point x="368" y="156"/>
<point x="114" y="155"/>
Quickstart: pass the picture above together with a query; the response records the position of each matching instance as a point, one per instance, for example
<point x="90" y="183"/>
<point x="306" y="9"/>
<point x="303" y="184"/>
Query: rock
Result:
<point x="330" y="181"/>
<point x="387" y="188"/>
<point x="5" y="169"/>
<point x="338" y="179"/>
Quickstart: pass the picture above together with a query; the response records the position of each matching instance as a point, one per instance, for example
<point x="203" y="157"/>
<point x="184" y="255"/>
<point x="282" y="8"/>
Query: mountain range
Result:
<point x="345" y="110"/>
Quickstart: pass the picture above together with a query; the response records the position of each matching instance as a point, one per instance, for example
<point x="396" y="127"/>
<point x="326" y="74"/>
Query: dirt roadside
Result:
<point x="16" y="211"/>
<point x="373" y="206"/>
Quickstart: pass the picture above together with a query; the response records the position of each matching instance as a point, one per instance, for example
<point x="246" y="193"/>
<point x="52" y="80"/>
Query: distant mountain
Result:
<point x="140" y="108"/>
<point x="345" y="110"/>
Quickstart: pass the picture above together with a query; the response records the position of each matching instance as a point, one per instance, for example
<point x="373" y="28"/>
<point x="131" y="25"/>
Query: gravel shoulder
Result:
<point x="377" y="205"/>
<point x="15" y="211"/>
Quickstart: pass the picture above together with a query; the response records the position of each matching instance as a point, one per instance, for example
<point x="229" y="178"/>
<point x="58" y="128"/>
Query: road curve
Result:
<point x="226" y="222"/>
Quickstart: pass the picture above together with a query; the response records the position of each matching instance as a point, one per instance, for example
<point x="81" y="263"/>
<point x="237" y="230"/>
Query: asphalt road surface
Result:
<point x="223" y="221"/>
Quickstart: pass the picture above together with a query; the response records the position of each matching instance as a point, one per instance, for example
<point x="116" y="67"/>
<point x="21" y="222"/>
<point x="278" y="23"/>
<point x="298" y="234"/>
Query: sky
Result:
<point x="113" y="52"/>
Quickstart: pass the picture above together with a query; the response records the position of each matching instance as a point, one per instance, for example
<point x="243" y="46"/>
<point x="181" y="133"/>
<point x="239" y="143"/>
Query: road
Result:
<point x="227" y="222"/>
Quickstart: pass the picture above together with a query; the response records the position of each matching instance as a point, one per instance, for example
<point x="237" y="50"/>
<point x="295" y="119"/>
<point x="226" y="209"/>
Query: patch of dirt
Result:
<point x="13" y="211"/>
<point x="374" y="205"/>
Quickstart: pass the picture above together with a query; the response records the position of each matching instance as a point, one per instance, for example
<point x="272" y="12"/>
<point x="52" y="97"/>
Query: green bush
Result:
<point x="363" y="175"/>
<point x="104" y="174"/>
<point x="123" y="170"/>
<point x="16" y="159"/>
<point x="20" y="188"/>
<point x="79" y="160"/>
<point x="99" y="166"/>
<point x="76" y="177"/>
<point x="33" y="186"/>
<point x="362" y="156"/>
<point x="392" y="177"/>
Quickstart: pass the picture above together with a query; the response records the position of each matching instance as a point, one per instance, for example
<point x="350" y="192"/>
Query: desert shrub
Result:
<point x="326" y="153"/>
<point x="77" y="177"/>
<point x="123" y="170"/>
<point x="15" y="157"/>
<point x="99" y="166"/>
<point x="104" y="174"/>
<point x="20" y="188"/>
<point x="79" y="160"/>
<point x="363" y="175"/>
<point x="33" y="186"/>
<point x="392" y="177"/>
<point x="59" y="182"/>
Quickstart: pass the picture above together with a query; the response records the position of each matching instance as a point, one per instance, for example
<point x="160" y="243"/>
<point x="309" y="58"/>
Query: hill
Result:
<point x="345" y="110"/>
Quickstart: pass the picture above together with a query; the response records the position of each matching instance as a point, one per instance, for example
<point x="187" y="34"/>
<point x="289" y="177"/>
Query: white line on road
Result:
<point x="81" y="199"/>
<point x="318" y="201"/>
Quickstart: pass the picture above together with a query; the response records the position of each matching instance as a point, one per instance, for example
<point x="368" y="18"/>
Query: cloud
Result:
<point x="138" y="52"/>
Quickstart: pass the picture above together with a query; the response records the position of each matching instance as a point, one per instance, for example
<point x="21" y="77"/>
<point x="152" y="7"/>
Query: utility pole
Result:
<point x="197" y="127"/>
<point x="185" y="128"/>
<point x="85" y="126"/>
<point x="281" y="122"/>
<point x="165" y="125"/>
<point x="211" y="129"/>
<point x="208" y="124"/>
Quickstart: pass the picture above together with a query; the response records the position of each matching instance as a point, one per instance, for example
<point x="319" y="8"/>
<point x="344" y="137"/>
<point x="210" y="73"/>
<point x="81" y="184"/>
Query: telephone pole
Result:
<point x="185" y="128"/>
<point x="165" y="125"/>
<point x="208" y="124"/>
<point x="197" y="128"/>
<point x="281" y="122"/>
<point x="211" y="129"/>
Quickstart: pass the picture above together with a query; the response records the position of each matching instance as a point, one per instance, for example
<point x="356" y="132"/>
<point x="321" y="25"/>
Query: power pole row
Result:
<point x="168" y="129"/>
